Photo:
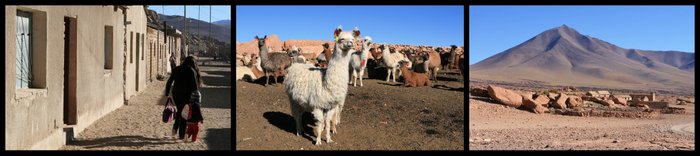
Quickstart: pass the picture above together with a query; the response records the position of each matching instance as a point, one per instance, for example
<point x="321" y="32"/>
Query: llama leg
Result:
<point x="435" y="75"/>
<point x="353" y="78"/>
<point x="318" y="115"/>
<point x="340" y="109"/>
<point x="351" y="75"/>
<point x="388" y="73"/>
<point x="327" y="121"/>
<point x="267" y="78"/>
<point x="393" y="72"/>
<point x="297" y="114"/>
<point x="362" y="73"/>
<point x="334" y="121"/>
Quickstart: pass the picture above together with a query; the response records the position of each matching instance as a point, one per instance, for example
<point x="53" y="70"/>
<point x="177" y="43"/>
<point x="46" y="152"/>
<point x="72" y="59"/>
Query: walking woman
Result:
<point x="187" y="79"/>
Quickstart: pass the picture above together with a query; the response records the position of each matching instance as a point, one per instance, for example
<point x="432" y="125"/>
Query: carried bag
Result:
<point x="169" y="111"/>
<point x="186" y="111"/>
<point x="195" y="96"/>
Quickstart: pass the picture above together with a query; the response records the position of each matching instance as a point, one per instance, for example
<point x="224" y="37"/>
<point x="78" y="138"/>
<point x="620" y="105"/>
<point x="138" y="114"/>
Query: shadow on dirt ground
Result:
<point x="286" y="122"/>
<point x="123" y="141"/>
<point x="218" y="138"/>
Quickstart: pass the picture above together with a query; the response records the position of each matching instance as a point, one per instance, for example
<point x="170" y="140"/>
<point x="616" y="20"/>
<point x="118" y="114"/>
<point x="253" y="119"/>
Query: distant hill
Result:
<point x="563" y="56"/>
<point x="200" y="40"/>
<point x="223" y="23"/>
<point x="198" y="27"/>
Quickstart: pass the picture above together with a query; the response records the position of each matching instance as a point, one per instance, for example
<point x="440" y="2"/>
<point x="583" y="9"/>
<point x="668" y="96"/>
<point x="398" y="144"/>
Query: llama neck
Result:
<point x="327" y="52"/>
<point x="385" y="53"/>
<point x="263" y="53"/>
<point x="407" y="74"/>
<point x="365" y="50"/>
<point x="336" y="77"/>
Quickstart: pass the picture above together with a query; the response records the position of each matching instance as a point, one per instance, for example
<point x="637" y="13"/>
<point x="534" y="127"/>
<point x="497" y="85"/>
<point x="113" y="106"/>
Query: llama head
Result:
<point x="367" y="41"/>
<point x="403" y="64"/>
<point x="261" y="41"/>
<point x="326" y="46"/>
<point x="345" y="40"/>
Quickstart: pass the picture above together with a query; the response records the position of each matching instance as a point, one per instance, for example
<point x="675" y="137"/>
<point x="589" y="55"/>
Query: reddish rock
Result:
<point x="560" y="103"/>
<point x="505" y="96"/>
<point x="478" y="91"/>
<point x="610" y="103"/>
<point x="533" y="106"/>
<point x="542" y="100"/>
<point x="620" y="101"/>
<point x="574" y="101"/>
<point x="552" y="96"/>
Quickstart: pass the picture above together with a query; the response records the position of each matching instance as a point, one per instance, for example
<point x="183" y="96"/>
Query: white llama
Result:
<point x="358" y="62"/>
<point x="391" y="60"/>
<point x="322" y="91"/>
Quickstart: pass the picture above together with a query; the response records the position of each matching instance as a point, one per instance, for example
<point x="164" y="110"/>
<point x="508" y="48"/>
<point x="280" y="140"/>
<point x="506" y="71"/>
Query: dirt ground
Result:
<point x="493" y="126"/>
<point x="138" y="125"/>
<point x="377" y="116"/>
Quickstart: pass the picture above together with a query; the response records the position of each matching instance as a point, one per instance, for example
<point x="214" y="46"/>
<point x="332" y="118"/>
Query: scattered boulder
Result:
<point x="552" y="96"/>
<point x="541" y="109"/>
<point x="610" y="103"/>
<point x="534" y="105"/>
<point x="505" y="96"/>
<point x="560" y="103"/>
<point x="620" y="101"/>
<point x="682" y="103"/>
<point x="542" y="100"/>
<point x="478" y="91"/>
<point x="574" y="101"/>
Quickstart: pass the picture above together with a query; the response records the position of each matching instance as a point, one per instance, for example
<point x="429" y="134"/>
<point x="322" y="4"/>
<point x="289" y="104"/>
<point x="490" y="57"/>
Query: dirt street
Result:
<point x="138" y="125"/>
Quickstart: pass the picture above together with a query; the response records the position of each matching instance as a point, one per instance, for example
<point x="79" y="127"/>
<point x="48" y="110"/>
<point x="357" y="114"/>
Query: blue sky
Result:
<point x="415" y="25"/>
<point x="219" y="12"/>
<point x="494" y="29"/>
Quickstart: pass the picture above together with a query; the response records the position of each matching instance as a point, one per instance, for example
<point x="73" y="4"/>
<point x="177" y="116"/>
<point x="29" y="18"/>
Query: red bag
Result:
<point x="169" y="111"/>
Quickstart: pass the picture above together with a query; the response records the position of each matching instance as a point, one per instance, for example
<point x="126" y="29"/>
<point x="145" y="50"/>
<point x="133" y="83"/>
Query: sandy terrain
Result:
<point x="492" y="126"/>
<point x="138" y="125"/>
<point x="378" y="116"/>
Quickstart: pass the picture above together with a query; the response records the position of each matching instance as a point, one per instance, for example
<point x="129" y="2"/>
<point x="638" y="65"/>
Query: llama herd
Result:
<point x="320" y="86"/>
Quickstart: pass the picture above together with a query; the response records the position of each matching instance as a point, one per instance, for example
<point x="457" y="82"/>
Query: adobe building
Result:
<point x="67" y="66"/>
<point x="163" y="45"/>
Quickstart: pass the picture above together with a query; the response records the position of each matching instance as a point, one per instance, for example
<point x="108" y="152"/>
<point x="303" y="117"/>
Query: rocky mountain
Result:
<point x="223" y="23"/>
<point x="198" y="38"/>
<point x="198" y="27"/>
<point x="563" y="56"/>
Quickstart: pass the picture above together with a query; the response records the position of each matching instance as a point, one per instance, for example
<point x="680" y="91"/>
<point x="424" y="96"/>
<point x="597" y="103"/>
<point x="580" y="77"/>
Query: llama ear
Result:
<point x="257" y="38"/>
<point x="337" y="32"/>
<point x="356" y="33"/>
<point x="265" y="37"/>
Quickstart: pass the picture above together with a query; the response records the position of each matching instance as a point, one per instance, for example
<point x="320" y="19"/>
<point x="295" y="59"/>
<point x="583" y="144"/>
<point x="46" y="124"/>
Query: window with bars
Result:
<point x="108" y="47"/>
<point x="138" y="45"/>
<point x="131" y="47"/>
<point x="23" y="63"/>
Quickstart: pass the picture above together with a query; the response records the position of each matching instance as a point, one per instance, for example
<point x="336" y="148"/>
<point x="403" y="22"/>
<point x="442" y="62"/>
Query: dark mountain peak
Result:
<point x="566" y="30"/>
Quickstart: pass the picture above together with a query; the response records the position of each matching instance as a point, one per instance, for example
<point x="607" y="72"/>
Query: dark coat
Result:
<point x="185" y="82"/>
